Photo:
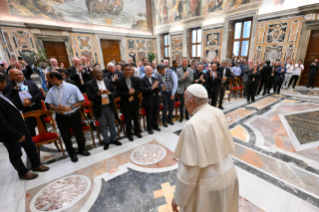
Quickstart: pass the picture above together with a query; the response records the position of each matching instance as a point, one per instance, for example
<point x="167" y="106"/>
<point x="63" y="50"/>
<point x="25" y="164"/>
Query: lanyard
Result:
<point x="57" y="93"/>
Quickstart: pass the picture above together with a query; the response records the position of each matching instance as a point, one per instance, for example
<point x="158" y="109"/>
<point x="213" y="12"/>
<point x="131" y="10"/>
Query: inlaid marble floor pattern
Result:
<point x="141" y="175"/>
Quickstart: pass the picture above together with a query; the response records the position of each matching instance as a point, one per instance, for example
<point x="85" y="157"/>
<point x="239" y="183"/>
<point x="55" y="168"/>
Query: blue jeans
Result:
<point x="167" y="103"/>
<point x="107" y="118"/>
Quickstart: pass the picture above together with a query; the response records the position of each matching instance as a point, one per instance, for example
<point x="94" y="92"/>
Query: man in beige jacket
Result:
<point x="206" y="178"/>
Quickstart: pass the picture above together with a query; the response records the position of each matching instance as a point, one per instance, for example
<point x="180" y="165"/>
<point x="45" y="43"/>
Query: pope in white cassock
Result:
<point x="206" y="178"/>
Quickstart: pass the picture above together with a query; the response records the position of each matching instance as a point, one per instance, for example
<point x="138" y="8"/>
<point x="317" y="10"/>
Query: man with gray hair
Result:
<point x="113" y="74"/>
<point x="79" y="75"/>
<point x="55" y="65"/>
<point x="166" y="63"/>
<point x="185" y="78"/>
<point x="225" y="76"/>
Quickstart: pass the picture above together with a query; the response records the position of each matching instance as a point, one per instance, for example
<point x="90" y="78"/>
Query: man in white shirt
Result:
<point x="236" y="70"/>
<point x="288" y="75"/>
<point x="298" y="68"/>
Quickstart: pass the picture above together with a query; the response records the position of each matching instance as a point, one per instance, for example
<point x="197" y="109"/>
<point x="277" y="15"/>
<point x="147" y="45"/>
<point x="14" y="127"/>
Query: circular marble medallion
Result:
<point x="148" y="154"/>
<point x="61" y="194"/>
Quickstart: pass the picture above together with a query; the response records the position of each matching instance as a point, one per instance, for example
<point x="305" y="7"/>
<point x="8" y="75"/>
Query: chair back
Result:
<point x="37" y="114"/>
<point x="116" y="101"/>
<point x="87" y="101"/>
<point x="140" y="96"/>
<point x="41" y="89"/>
<point x="43" y="105"/>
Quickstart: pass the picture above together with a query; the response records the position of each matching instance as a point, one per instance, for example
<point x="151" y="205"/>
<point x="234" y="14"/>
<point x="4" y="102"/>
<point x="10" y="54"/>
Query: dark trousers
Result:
<point x="74" y="122"/>
<point x="214" y="95"/>
<point x="263" y="83"/>
<point x="182" y="106"/>
<point x="222" y="90"/>
<point x="271" y="84"/>
<point x="129" y="113"/>
<point x="277" y="86"/>
<point x="167" y="104"/>
<point x="245" y="88"/>
<point x="312" y="80"/>
<point x="31" y="122"/>
<point x="15" y="153"/>
<point x="151" y="117"/>
<point x="293" y="79"/>
<point x="251" y="91"/>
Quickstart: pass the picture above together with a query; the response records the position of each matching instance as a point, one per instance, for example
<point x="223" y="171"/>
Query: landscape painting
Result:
<point x="113" y="13"/>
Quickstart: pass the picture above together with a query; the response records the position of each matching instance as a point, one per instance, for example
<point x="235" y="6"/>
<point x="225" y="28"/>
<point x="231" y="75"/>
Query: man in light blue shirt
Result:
<point x="66" y="99"/>
<point x="168" y="84"/>
<point x="236" y="70"/>
<point x="142" y="68"/>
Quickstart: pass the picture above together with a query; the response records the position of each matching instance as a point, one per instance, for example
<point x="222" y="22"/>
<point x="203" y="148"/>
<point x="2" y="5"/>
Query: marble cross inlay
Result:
<point x="167" y="191"/>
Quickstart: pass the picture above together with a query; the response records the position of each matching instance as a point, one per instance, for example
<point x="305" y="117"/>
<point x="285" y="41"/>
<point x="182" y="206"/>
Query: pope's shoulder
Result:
<point x="207" y="113"/>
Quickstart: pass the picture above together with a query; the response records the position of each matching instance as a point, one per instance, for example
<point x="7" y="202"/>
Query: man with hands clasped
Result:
<point x="66" y="99"/>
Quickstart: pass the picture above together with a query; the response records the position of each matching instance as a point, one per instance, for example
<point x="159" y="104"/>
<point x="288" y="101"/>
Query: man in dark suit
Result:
<point x="27" y="72"/>
<point x="225" y="77"/>
<point x="25" y="95"/>
<point x="199" y="76"/>
<point x="128" y="88"/>
<point x="113" y="74"/>
<point x="175" y="66"/>
<point x="150" y="90"/>
<point x="265" y="77"/>
<point x="14" y="134"/>
<point x="213" y="84"/>
<point x="65" y="76"/>
<point x="79" y="74"/>
<point x="102" y="93"/>
<point x="313" y="71"/>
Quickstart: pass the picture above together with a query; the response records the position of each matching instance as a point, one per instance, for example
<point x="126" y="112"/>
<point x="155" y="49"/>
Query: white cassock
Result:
<point x="206" y="178"/>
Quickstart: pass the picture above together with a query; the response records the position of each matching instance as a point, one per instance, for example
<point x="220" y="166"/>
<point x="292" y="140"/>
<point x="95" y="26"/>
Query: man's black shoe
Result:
<point x="74" y="158"/>
<point x="84" y="152"/>
<point x="164" y="124"/>
<point x="116" y="142"/>
<point x="106" y="146"/>
<point x="150" y="132"/>
<point x="138" y="135"/>
<point x="187" y="118"/>
<point x="170" y="122"/>
<point x="221" y="108"/>
<point x="131" y="138"/>
<point x="157" y="129"/>
<point x="180" y="120"/>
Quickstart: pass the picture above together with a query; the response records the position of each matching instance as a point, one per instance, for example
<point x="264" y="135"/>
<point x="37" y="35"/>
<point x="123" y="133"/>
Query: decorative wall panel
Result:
<point x="294" y="29"/>
<point x="177" y="55"/>
<point x="85" y="45"/>
<point x="177" y="43"/>
<point x="280" y="40"/>
<point x="212" y="44"/>
<point x="138" y="48"/>
<point x="260" y="34"/>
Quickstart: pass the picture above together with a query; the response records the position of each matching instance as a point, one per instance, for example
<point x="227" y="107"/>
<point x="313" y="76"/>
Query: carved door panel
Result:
<point x="57" y="50"/>
<point x="111" y="51"/>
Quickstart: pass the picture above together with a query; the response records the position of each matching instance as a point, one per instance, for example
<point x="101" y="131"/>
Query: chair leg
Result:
<point x="144" y="125"/>
<point x="60" y="142"/>
<point x="92" y="135"/>
<point x="118" y="132"/>
<point x="38" y="147"/>
<point x="56" y="145"/>
<point x="98" y="135"/>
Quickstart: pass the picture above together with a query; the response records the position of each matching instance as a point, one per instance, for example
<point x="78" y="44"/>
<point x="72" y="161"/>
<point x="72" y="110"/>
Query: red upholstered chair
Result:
<point x="44" y="137"/>
<point x="176" y="107"/>
<point x="238" y="88"/>
<point x="142" y="111"/>
<point x="41" y="89"/>
<point x="117" y="100"/>
<point x="47" y="119"/>
<point x="86" y="128"/>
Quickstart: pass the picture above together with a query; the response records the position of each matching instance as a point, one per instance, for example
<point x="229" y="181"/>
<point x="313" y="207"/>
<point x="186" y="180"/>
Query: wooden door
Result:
<point x="312" y="53"/>
<point x="111" y="51"/>
<point x="57" y="50"/>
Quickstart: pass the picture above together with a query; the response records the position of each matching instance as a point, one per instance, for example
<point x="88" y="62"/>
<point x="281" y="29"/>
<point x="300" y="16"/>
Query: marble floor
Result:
<point x="276" y="160"/>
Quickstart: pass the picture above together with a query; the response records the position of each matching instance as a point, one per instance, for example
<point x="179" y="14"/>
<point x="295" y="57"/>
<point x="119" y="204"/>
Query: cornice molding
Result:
<point x="311" y="8"/>
<point x="276" y="14"/>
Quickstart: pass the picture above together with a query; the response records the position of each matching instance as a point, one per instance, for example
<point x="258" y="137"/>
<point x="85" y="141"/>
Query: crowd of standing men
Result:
<point x="147" y="83"/>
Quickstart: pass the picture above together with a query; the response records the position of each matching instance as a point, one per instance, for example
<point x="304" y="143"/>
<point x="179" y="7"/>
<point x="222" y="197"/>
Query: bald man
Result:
<point x="25" y="95"/>
<point x="79" y="74"/>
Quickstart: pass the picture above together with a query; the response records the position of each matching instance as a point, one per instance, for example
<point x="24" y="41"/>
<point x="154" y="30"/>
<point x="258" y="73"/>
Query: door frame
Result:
<point x="66" y="40"/>
<point x="306" y="31"/>
<point x="122" y="44"/>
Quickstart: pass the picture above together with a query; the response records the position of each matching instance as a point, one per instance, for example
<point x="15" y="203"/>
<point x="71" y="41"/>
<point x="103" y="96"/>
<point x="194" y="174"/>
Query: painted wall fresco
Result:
<point x="138" y="48"/>
<point x="169" y="11"/>
<point x="118" y="13"/>
<point x="212" y="44"/>
<point x="176" y="48"/>
<point x="278" y="39"/>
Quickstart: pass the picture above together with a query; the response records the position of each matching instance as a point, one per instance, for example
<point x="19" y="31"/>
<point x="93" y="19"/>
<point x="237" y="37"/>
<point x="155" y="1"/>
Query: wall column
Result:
<point x="185" y="44"/>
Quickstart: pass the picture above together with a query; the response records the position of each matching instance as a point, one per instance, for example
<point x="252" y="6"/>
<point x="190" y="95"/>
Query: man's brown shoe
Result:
<point x="28" y="176"/>
<point x="41" y="168"/>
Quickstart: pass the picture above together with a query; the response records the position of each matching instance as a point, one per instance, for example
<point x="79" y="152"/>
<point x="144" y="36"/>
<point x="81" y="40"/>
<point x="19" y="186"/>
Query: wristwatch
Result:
<point x="72" y="107"/>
